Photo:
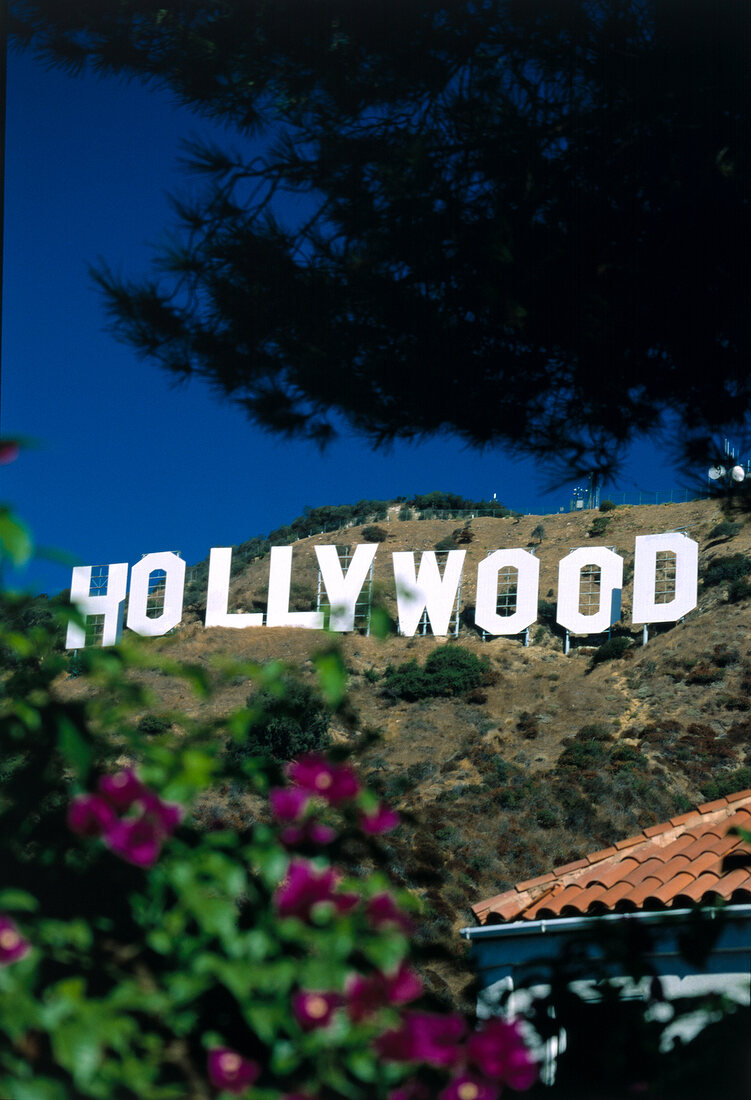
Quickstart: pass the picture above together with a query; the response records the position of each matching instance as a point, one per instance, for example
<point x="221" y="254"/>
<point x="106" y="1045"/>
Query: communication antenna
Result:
<point x="728" y="469"/>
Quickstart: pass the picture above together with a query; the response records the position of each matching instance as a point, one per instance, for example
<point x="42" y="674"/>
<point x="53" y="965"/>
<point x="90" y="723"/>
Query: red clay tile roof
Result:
<point x="668" y="866"/>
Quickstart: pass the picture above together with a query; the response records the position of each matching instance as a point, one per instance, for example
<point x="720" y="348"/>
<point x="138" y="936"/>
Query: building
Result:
<point x="649" y="938"/>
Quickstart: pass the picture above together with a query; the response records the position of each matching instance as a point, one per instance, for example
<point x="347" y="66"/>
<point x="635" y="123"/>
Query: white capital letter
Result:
<point x="277" y="608"/>
<point x="343" y="591"/>
<point x="174" y="584"/>
<point x="217" y="594"/>
<point x="110" y="605"/>
<point x="427" y="591"/>
<point x="527" y="582"/>
<point x="646" y="548"/>
<point x="569" y="581"/>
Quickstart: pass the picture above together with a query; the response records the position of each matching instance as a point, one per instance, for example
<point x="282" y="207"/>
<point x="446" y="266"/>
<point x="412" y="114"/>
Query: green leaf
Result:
<point x="332" y="676"/>
<point x="15" y="540"/>
<point x="13" y="900"/>
<point x="41" y="1088"/>
<point x="74" y="748"/>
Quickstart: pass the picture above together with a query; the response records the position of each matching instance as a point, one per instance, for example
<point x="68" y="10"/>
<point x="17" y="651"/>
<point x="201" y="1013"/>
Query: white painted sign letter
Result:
<point x="217" y="595"/>
<point x="277" y="609"/>
<point x="342" y="591"/>
<point x="646" y="548"/>
<point x="527" y="584"/>
<point x="608" y="612"/>
<point x="109" y="605"/>
<point x="428" y="591"/>
<point x="174" y="585"/>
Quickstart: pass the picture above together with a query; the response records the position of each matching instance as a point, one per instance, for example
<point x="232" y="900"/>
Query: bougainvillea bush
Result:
<point x="143" y="955"/>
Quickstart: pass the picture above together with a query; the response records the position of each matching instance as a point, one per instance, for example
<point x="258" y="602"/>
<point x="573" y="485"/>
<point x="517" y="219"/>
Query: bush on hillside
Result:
<point x="450" y="670"/>
<point x="599" y="526"/>
<point x="286" y="725"/>
<point x="732" y="567"/>
<point x="611" y="650"/>
<point x="725" y="529"/>
<point x="608" y="505"/>
<point x="374" y="534"/>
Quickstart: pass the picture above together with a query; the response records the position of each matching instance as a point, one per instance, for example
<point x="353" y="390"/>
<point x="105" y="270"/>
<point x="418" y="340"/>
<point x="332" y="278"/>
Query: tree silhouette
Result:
<point x="524" y="223"/>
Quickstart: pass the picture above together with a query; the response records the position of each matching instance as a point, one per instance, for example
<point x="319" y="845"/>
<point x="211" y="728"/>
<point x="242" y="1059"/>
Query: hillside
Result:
<point x="553" y="755"/>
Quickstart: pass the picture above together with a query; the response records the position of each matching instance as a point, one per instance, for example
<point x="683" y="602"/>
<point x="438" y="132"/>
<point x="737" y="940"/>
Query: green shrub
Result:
<point x="599" y="526"/>
<point x="611" y="650"/>
<point x="739" y="590"/>
<point x="594" y="731"/>
<point x="725" y="530"/>
<point x="154" y="723"/>
<point x="737" y="780"/>
<point x="733" y="567"/>
<point x="450" y="670"/>
<point x="446" y="544"/>
<point x="374" y="534"/>
<point x="608" y="505"/>
<point x="286" y="725"/>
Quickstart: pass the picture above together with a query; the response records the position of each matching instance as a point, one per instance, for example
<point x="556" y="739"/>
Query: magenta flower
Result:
<point x="90" y="815"/>
<point x="165" y="816"/>
<point x="121" y="789"/>
<point x="13" y="946"/>
<point x="138" y="842"/>
<point x="500" y="1053"/>
<point x="305" y="886"/>
<point x="335" y="783"/>
<point x="469" y="1087"/>
<point x="381" y="821"/>
<point x="423" y="1038"/>
<point x="230" y="1071"/>
<point x="308" y="832"/>
<point x="382" y="911"/>
<point x="137" y="838"/>
<point x="288" y="803"/>
<point x="366" y="994"/>
<point x="403" y="986"/>
<point x="312" y="1009"/>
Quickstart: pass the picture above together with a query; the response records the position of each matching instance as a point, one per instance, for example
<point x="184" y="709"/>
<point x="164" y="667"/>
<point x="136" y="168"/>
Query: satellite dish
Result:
<point x="737" y="473"/>
<point x="714" y="473"/>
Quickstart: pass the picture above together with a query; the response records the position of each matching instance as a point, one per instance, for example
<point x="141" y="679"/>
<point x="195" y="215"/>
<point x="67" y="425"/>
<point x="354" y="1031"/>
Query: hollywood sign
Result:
<point x="418" y="591"/>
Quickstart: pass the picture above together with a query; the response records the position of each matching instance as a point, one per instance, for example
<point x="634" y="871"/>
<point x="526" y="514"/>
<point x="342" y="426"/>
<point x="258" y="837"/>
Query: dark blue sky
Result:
<point x="128" y="462"/>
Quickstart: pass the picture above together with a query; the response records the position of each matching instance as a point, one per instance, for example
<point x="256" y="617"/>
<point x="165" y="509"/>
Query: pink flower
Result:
<point x="423" y="1038"/>
<point x="309" y="832"/>
<point x="90" y="815"/>
<point x="288" y="803"/>
<point x="137" y="838"/>
<point x="312" y="1009"/>
<point x="335" y="783"/>
<point x="138" y="842"/>
<point x="500" y="1052"/>
<point x="469" y="1087"/>
<point x="230" y="1071"/>
<point x="305" y="886"/>
<point x="121" y="789"/>
<point x="383" y="820"/>
<point x="9" y="451"/>
<point x="166" y="816"/>
<point x="382" y="910"/>
<point x="13" y="946"/>
<point x="403" y="986"/>
<point x="366" y="994"/>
